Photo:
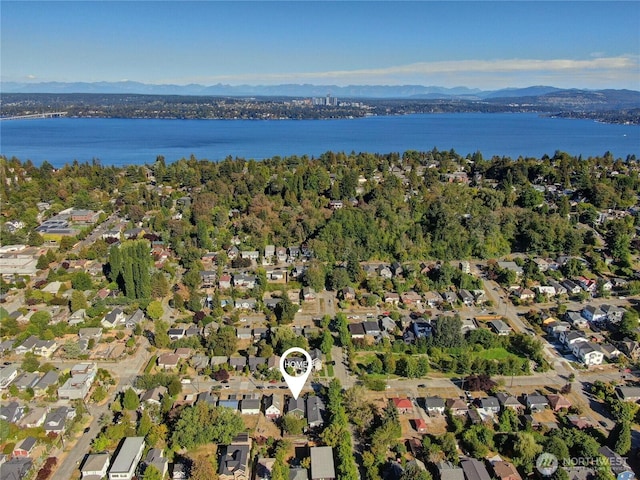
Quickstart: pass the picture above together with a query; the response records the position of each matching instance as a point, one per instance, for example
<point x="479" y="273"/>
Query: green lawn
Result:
<point x="495" y="354"/>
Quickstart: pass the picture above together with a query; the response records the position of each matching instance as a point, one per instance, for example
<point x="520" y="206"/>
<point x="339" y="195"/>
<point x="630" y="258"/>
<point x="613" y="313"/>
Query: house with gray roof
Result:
<point x="500" y="327"/>
<point x="298" y="473"/>
<point x="156" y="459"/>
<point x="448" y="471"/>
<point x="315" y="410"/>
<point x="95" y="466"/>
<point x="273" y="406"/>
<point x="12" y="412"/>
<point x="509" y="401"/>
<point x="127" y="459"/>
<point x="237" y="363"/>
<point x="250" y="406"/>
<point x="536" y="402"/>
<point x="8" y="374"/>
<point x="489" y="404"/>
<point x="434" y="405"/>
<point x="16" y="468"/>
<point x="322" y="465"/>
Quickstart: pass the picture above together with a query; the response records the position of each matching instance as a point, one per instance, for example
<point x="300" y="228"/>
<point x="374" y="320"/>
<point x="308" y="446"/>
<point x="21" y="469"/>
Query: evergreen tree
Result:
<point x="622" y="443"/>
<point x="130" y="400"/>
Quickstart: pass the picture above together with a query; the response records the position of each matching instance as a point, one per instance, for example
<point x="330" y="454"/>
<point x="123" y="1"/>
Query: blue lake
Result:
<point x="133" y="141"/>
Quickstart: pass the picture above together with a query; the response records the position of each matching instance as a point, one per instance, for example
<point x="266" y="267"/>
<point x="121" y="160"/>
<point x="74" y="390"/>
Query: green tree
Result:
<point x="151" y="473"/>
<point x="159" y="285"/>
<point x="315" y="276"/>
<point x="78" y="301"/>
<point x="448" y="332"/>
<point x="203" y="423"/>
<point x="327" y="342"/>
<point x="81" y="281"/>
<point x="43" y="262"/>
<point x="622" y="443"/>
<point x="413" y="472"/>
<point x="629" y="323"/>
<point x="285" y="310"/>
<point x="525" y="449"/>
<point x="130" y="400"/>
<point x="145" y="424"/>
<point x="292" y="424"/>
<point x="155" y="310"/>
<point x="160" y="336"/>
<point x="30" y="363"/>
<point x="223" y="342"/>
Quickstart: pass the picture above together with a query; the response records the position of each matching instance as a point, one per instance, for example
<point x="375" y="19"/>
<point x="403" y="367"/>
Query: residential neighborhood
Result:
<point x="143" y="339"/>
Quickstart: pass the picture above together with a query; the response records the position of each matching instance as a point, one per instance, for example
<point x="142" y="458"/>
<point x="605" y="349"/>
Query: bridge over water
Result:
<point x="35" y="115"/>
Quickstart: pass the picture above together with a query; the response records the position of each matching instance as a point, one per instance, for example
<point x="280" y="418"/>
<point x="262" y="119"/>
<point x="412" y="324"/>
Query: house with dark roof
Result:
<point x="619" y="465"/>
<point x="315" y="410"/>
<point x="628" y="394"/>
<point x="237" y="363"/>
<point x="234" y="462"/>
<point x="250" y="406"/>
<point x="25" y="447"/>
<point x="16" y="468"/>
<point x="474" y="470"/>
<point x="296" y="406"/>
<point x="371" y="328"/>
<point x="114" y="318"/>
<point x="356" y="330"/>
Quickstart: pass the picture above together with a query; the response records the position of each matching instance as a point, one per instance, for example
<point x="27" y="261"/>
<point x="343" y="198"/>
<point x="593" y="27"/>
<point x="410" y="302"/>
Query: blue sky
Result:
<point x="476" y="44"/>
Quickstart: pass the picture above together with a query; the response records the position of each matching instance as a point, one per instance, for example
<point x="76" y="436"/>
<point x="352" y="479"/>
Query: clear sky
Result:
<point x="477" y="44"/>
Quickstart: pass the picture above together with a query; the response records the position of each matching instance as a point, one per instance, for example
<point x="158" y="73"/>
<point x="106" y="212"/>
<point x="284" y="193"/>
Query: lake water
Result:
<point x="132" y="141"/>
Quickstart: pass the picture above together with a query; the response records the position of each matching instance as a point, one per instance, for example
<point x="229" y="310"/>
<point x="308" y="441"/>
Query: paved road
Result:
<point x="125" y="375"/>
<point x="505" y="308"/>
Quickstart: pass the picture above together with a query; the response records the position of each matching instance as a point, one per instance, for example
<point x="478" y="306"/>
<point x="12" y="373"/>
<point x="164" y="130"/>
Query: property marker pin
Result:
<point x="295" y="384"/>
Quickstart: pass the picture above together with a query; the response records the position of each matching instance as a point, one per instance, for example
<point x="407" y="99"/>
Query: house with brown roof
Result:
<point x="558" y="402"/>
<point x="457" y="406"/>
<point x="505" y="471"/>
<point x="168" y="360"/>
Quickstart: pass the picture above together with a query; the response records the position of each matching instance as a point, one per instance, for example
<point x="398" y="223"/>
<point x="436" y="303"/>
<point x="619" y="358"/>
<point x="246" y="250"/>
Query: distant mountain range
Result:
<point x="284" y="90"/>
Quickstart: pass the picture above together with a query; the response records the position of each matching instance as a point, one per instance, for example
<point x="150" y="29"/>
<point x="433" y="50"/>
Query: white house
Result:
<point x="593" y="313"/>
<point x="546" y="290"/>
<point x="95" y="466"/>
<point x="588" y="353"/>
<point x="126" y="461"/>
